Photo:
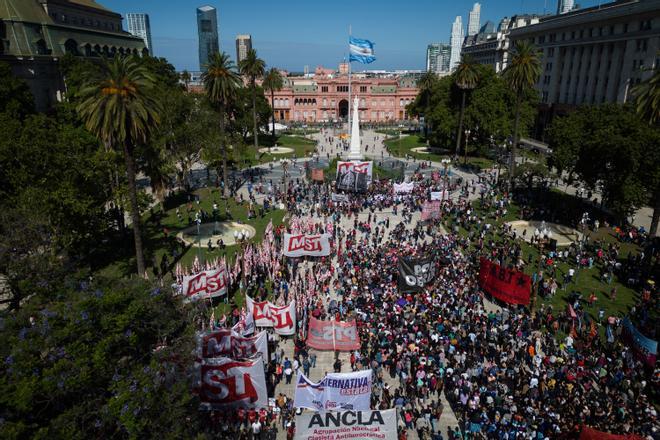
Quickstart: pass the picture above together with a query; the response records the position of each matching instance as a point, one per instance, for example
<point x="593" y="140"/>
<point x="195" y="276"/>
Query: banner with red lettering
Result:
<point x="403" y="187"/>
<point x="284" y="318"/>
<point x="227" y="383"/>
<point x="357" y="167"/>
<point x="205" y="284"/>
<point x="431" y="210"/>
<point x="260" y="311"/>
<point x="592" y="434"/>
<point x="510" y="286"/>
<point x="333" y="335"/>
<point x="227" y="343"/>
<point x="298" y="245"/>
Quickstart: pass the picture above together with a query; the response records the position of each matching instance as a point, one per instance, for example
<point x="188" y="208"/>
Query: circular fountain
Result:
<point x="200" y="235"/>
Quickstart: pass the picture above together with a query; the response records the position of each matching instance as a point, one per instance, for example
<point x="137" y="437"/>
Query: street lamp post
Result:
<point x="285" y="165"/>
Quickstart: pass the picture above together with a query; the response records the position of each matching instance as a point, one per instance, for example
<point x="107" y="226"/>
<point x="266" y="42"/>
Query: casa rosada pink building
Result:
<point x="323" y="97"/>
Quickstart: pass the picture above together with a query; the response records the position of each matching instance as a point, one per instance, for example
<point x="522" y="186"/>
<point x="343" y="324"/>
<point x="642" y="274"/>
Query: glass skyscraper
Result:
<point x="138" y="25"/>
<point x="207" y="31"/>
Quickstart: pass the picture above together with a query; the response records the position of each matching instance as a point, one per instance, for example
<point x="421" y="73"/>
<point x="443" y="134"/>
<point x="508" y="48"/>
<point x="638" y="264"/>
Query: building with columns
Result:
<point x="594" y="55"/>
<point x="323" y="97"/>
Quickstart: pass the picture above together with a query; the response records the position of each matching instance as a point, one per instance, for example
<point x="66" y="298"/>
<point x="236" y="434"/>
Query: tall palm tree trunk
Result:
<point x="135" y="209"/>
<point x="655" y="217"/>
<point x="225" y="179"/>
<point x="514" y="145"/>
<point x="460" y="124"/>
<point x="272" y="101"/>
<point x="254" y="116"/>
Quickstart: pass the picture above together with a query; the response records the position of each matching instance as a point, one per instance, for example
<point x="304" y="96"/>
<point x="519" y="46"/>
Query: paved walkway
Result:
<point x="325" y="359"/>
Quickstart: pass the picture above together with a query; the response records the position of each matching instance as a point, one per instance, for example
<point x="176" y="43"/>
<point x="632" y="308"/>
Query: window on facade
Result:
<point x="363" y="89"/>
<point x="324" y="89"/>
<point x="551" y="51"/>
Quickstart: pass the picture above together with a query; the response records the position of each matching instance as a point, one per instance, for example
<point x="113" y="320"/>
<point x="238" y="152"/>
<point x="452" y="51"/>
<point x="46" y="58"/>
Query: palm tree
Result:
<point x="425" y="85"/>
<point x="185" y="77"/>
<point x="253" y="67"/>
<point x="120" y="107"/>
<point x="647" y="104"/>
<point x="521" y="74"/>
<point x="273" y="82"/>
<point x="647" y="98"/>
<point x="466" y="78"/>
<point x="221" y="82"/>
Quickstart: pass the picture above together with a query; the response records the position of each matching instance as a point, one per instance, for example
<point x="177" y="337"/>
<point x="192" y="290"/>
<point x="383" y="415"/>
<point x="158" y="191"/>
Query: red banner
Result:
<point x="507" y="285"/>
<point x="591" y="434"/>
<point x="333" y="335"/>
<point x="226" y="383"/>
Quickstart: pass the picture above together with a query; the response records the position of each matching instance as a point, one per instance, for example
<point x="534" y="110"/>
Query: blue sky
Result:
<point x="294" y="33"/>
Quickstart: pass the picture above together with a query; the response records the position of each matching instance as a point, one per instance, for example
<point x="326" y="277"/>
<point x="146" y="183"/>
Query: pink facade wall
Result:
<point x="325" y="104"/>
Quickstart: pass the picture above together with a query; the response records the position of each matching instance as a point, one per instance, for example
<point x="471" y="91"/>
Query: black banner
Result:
<point x="415" y="273"/>
<point x="352" y="181"/>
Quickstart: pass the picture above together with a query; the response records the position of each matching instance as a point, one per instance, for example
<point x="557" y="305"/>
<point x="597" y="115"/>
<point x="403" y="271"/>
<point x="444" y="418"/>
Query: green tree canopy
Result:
<point x="15" y="96"/>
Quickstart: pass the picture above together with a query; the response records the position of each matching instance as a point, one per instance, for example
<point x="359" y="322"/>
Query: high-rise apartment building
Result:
<point x="438" y="57"/>
<point x="138" y="25"/>
<point x="456" y="43"/>
<point x="564" y="6"/>
<point x="474" y="19"/>
<point x="207" y="31"/>
<point x="243" y="45"/>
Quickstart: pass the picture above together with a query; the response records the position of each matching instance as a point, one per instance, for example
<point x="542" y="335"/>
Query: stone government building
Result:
<point x="323" y="96"/>
<point x="35" y="34"/>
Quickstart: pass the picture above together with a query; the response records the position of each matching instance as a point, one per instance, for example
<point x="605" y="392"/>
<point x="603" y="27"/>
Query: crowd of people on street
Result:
<point x="505" y="372"/>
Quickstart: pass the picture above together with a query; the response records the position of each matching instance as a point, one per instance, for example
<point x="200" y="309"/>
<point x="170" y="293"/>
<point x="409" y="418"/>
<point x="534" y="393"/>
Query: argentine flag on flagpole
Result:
<point x="361" y="50"/>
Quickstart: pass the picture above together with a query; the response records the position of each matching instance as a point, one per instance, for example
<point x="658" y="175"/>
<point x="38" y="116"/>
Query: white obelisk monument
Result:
<point x="355" y="152"/>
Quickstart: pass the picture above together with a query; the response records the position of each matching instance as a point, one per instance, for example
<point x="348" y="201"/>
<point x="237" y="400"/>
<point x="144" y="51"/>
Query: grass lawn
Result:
<point x="302" y="147"/>
<point x="587" y="280"/>
<point x="401" y="147"/>
<point x="157" y="243"/>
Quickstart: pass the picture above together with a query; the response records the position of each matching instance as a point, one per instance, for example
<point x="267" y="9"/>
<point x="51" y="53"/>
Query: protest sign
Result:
<point x="333" y="335"/>
<point x="226" y="383"/>
<point x="336" y="391"/>
<point x="415" y="273"/>
<point x="227" y="343"/>
<point x="205" y="284"/>
<point x="298" y="245"/>
<point x="510" y="286"/>
<point x="363" y="425"/>
<point x="646" y="349"/>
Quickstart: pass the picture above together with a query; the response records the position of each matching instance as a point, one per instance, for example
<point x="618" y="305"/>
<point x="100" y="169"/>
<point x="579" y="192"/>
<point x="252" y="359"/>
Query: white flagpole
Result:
<point x="349" y="80"/>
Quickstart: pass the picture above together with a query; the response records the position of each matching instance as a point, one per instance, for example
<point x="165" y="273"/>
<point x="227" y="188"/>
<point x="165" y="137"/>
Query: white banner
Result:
<point x="227" y="343"/>
<point x="337" y="391"/>
<point x="363" y="425"/>
<point x="339" y="197"/>
<point x="260" y="311"/>
<point x="283" y="318"/>
<point x="300" y="244"/>
<point x="439" y="195"/>
<point x="357" y="166"/>
<point x="404" y="187"/>
<point x="226" y="383"/>
<point x="206" y="284"/>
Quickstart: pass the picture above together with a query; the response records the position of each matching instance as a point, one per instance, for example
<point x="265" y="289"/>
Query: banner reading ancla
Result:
<point x="227" y="383"/>
<point x="333" y="335"/>
<point x="337" y="391"/>
<point x="510" y="286"/>
<point x="299" y="245"/>
<point x="363" y="425"/>
<point x="205" y="284"/>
